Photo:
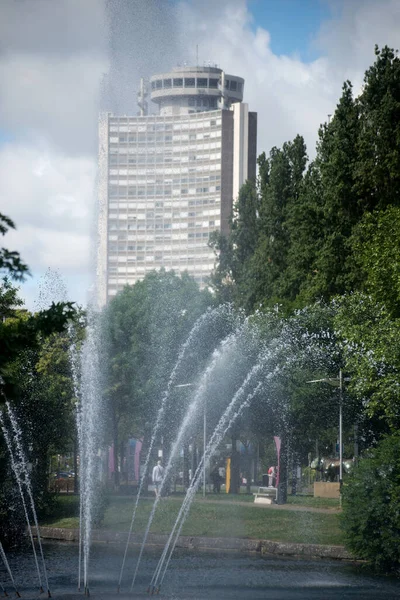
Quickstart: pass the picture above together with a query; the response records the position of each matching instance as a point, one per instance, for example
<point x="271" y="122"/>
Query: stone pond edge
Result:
<point x="266" y="547"/>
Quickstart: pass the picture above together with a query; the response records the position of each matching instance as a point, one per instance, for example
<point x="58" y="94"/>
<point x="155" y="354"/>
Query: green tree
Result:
<point x="371" y="506"/>
<point x="10" y="261"/>
<point x="21" y="337"/>
<point x="20" y="331"/>
<point x="145" y="325"/>
<point x="370" y="341"/>
<point x="331" y="269"/>
<point x="230" y="278"/>
<point x="376" y="250"/>
<point x="377" y="170"/>
<point x="281" y="184"/>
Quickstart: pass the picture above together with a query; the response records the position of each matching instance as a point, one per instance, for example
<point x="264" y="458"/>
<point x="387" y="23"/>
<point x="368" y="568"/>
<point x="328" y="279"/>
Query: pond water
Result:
<point x="200" y="575"/>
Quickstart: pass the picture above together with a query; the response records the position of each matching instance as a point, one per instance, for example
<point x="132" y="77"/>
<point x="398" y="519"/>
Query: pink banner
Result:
<point x="277" y="441"/>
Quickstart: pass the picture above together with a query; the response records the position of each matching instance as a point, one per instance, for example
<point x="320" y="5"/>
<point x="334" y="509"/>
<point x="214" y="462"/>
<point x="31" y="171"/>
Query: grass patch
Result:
<point x="220" y="519"/>
<point x="312" y="502"/>
<point x="66" y="509"/>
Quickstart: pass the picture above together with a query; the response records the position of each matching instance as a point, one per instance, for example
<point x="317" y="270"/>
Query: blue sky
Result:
<point x="292" y="24"/>
<point x="5" y="136"/>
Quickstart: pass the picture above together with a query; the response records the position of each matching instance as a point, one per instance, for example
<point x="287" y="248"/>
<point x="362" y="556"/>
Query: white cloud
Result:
<point x="52" y="248"/>
<point x="55" y="98"/>
<point x="52" y="63"/>
<point x="46" y="189"/>
<point x="51" y="198"/>
<point x="289" y="95"/>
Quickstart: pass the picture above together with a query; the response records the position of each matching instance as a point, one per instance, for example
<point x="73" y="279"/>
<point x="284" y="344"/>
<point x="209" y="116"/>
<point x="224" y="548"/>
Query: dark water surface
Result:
<point x="198" y="576"/>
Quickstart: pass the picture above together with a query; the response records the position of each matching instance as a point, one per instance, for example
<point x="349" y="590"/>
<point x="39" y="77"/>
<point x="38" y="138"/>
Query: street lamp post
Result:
<point x="337" y="381"/>
<point x="340" y="431"/>
<point x="204" y="446"/>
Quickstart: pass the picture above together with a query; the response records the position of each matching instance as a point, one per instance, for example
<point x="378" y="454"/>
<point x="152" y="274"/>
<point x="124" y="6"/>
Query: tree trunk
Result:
<point x="282" y="486"/>
<point x="248" y="469"/>
<point x="186" y="466"/>
<point x="234" y="487"/>
<point x="116" y="448"/>
<point x="76" y="479"/>
<point x="194" y="457"/>
<point x="122" y="462"/>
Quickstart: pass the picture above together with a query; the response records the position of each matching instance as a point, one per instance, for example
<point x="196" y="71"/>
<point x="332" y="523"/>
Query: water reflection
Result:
<point x="203" y="575"/>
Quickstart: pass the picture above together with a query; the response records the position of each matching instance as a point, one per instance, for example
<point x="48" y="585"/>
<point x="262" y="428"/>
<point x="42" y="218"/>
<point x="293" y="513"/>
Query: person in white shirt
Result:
<point x="158" y="474"/>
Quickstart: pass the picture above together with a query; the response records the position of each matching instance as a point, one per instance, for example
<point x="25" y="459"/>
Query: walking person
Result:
<point x="216" y="480"/>
<point x="158" y="474"/>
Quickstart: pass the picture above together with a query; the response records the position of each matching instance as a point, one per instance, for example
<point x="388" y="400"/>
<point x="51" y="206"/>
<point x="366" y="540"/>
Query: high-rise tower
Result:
<point x="168" y="180"/>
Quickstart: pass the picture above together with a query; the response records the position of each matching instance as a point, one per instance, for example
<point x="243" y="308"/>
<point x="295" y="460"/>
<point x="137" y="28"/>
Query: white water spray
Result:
<point x="194" y="406"/>
<point x="74" y="358"/>
<point x="201" y="321"/>
<point x="7" y="566"/>
<point x="89" y="435"/>
<point x="17" y="473"/>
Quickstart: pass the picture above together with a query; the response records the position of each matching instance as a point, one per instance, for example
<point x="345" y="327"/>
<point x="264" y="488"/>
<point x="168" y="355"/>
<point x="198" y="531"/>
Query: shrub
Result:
<point x="371" y="506"/>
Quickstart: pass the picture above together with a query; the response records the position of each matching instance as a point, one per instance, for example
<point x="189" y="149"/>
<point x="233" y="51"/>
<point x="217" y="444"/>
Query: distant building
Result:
<point x="168" y="180"/>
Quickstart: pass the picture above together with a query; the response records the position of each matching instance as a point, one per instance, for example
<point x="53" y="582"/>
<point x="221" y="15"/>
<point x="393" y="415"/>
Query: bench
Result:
<point x="265" y="495"/>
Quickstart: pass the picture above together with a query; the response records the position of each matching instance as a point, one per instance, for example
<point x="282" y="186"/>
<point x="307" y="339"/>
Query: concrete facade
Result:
<point x="167" y="181"/>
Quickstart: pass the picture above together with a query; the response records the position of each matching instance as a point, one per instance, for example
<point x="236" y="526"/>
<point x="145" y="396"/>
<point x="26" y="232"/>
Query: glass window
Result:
<point x="190" y="82"/>
<point x="153" y="85"/>
<point x="191" y="101"/>
<point x="233" y="86"/>
<point x="214" y="83"/>
<point x="178" y="82"/>
<point x="227" y="84"/>
<point x="167" y="83"/>
<point x="202" y="82"/>
<point x="159" y="84"/>
<point x="240" y="86"/>
<point x="205" y="101"/>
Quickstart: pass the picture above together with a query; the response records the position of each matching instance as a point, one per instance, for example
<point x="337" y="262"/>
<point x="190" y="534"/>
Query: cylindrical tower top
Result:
<point x="195" y="89"/>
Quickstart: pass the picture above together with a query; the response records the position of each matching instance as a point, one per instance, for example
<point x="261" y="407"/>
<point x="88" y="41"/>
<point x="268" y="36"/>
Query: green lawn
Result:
<point x="312" y="502"/>
<point x="308" y="501"/>
<point x="216" y="519"/>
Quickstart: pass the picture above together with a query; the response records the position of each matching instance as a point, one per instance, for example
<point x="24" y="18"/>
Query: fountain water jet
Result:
<point x="216" y="437"/>
<point x="208" y="317"/>
<point x="183" y="513"/>
<point x="7" y="566"/>
<point x="89" y="433"/>
<point x="17" y="473"/>
<point x="194" y="406"/>
<point x="226" y="421"/>
<point x="75" y="359"/>
<point x="27" y="482"/>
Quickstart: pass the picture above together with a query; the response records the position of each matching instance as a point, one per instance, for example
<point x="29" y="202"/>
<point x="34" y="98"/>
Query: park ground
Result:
<point x="303" y="519"/>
